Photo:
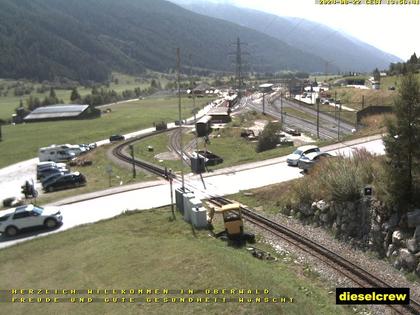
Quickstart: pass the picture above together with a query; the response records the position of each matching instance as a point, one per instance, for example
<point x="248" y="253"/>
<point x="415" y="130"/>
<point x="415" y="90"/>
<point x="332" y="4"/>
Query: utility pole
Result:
<point x="263" y="103"/>
<point x="193" y="95"/>
<point x="326" y="69"/>
<point x="239" y="80"/>
<point x="338" y="127"/>
<point x="172" y="196"/>
<point x="363" y="101"/>
<point x="178" y="66"/>
<point x="281" y="107"/>
<point x="317" y="117"/>
<point x="132" y="159"/>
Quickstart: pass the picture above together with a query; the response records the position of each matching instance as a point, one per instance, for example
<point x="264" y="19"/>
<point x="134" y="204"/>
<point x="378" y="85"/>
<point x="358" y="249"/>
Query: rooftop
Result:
<point x="57" y="111"/>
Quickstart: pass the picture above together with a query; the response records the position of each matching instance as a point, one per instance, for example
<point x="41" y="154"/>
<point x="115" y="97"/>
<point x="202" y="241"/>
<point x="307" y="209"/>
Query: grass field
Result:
<point x="236" y="150"/>
<point x="147" y="251"/>
<point x="394" y="81"/>
<point x="10" y="102"/>
<point x="21" y="142"/>
<point x="225" y="142"/>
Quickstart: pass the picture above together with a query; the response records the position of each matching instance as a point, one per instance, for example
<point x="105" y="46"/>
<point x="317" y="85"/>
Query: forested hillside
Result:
<point x="87" y="39"/>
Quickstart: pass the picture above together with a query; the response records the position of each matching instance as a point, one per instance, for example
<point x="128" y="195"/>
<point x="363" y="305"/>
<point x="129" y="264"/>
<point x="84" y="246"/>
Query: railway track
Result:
<point x="119" y="153"/>
<point x="328" y="117"/>
<point x="351" y="271"/>
<point x="300" y="123"/>
<point x="348" y="269"/>
<point x="175" y="145"/>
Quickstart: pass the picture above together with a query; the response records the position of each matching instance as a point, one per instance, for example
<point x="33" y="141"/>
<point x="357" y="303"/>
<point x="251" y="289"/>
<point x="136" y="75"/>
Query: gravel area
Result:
<point x="14" y="176"/>
<point x="380" y="268"/>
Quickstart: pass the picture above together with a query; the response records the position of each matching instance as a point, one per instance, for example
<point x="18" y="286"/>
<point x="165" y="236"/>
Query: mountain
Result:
<point x="340" y="50"/>
<point x="87" y="39"/>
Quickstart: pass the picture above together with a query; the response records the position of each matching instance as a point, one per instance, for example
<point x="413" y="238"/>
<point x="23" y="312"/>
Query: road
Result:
<point x="221" y="182"/>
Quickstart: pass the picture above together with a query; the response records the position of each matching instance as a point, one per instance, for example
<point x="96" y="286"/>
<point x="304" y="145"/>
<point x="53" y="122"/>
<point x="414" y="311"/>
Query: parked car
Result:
<point x="71" y="180"/>
<point x="85" y="148"/>
<point x="29" y="216"/>
<point x="46" y="172"/>
<point x="51" y="178"/>
<point x="292" y="159"/>
<point x="49" y="164"/>
<point x="116" y="138"/>
<point x="55" y="154"/>
<point x="309" y="160"/>
<point x="293" y="132"/>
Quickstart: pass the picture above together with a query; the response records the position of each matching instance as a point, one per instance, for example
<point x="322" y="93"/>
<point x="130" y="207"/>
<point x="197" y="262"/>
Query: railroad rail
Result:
<point x="118" y="152"/>
<point x="350" y="270"/>
<point x="300" y="123"/>
<point x="175" y="145"/>
<point x="345" y="126"/>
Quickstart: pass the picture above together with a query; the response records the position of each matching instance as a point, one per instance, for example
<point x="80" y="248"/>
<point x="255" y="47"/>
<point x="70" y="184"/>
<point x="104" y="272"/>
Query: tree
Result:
<point x="269" y="137"/>
<point x="75" y="96"/>
<point x="33" y="103"/>
<point x="401" y="146"/>
<point x="52" y="93"/>
<point x="376" y="75"/>
<point x="413" y="59"/>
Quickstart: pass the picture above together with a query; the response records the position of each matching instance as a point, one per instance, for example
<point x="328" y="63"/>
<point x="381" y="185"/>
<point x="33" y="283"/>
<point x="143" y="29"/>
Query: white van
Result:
<point x="55" y="154"/>
<point x="69" y="147"/>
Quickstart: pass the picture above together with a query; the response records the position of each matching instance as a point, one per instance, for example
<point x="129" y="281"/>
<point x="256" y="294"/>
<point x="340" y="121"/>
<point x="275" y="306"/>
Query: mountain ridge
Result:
<point x="87" y="39"/>
<point x="348" y="53"/>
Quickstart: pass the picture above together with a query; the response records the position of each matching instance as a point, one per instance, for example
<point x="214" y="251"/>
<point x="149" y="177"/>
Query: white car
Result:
<point x="29" y="216"/>
<point x="292" y="159"/>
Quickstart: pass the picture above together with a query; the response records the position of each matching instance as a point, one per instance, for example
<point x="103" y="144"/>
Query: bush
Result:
<point x="269" y="137"/>
<point x="341" y="179"/>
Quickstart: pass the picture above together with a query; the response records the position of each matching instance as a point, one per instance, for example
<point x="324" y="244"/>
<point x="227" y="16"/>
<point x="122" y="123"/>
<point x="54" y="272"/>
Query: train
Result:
<point x="203" y="126"/>
<point x="232" y="100"/>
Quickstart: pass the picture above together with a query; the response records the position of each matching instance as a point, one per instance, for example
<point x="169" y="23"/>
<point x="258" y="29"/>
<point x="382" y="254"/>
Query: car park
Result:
<point x="310" y="159"/>
<point x="116" y="138"/>
<point x="29" y="216"/>
<point x="292" y="159"/>
<point x="66" y="181"/>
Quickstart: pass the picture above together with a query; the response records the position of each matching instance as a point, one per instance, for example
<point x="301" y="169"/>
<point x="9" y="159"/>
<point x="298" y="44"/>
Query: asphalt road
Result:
<point x="221" y="182"/>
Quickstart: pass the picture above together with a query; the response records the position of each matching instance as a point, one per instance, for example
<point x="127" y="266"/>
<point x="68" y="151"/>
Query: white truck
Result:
<point x="55" y="154"/>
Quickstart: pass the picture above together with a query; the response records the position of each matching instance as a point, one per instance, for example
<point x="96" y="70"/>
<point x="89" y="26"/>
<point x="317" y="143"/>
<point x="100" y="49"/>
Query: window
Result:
<point x="37" y="210"/>
<point x="21" y="215"/>
<point x="52" y="152"/>
<point x="4" y="218"/>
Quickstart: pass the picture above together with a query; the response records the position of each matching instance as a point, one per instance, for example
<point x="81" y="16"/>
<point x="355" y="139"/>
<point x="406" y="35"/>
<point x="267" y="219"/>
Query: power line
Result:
<point x="239" y="65"/>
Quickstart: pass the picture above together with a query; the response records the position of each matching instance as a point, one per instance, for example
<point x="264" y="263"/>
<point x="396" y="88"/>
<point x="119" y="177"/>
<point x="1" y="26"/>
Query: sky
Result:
<point x="391" y="28"/>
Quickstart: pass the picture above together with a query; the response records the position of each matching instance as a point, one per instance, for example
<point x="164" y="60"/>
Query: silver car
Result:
<point x="292" y="159"/>
<point x="29" y="216"/>
<point x="309" y="160"/>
